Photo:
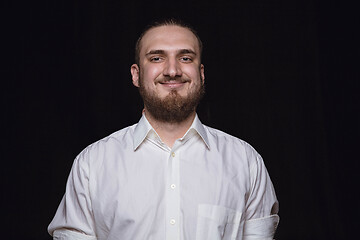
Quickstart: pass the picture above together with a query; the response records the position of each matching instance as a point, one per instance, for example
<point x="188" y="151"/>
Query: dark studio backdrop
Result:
<point x="282" y="75"/>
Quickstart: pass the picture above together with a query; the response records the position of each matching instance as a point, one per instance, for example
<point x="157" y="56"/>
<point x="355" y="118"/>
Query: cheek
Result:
<point x="193" y="73"/>
<point x="192" y="69"/>
<point x="152" y="72"/>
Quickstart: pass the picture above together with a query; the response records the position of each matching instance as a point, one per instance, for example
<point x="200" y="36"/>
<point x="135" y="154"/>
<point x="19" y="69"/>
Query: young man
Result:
<point x="169" y="176"/>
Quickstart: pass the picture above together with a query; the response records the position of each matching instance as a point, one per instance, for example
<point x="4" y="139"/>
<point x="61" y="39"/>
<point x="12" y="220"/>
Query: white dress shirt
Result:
<point x="131" y="186"/>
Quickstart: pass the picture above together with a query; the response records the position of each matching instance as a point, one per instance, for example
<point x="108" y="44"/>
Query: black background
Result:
<point x="282" y="75"/>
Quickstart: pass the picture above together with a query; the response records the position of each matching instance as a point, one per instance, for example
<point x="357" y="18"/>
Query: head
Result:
<point x="166" y="22"/>
<point x="168" y="71"/>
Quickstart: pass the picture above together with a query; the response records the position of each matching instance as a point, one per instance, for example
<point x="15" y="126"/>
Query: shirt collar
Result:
<point x="200" y="129"/>
<point x="143" y="128"/>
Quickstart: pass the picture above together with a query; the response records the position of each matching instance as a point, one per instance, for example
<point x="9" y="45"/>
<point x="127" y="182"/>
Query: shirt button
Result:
<point x="173" y="154"/>
<point x="172" y="221"/>
<point x="173" y="186"/>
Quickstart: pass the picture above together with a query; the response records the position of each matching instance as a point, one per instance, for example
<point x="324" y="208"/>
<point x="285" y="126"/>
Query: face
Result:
<point x="170" y="76"/>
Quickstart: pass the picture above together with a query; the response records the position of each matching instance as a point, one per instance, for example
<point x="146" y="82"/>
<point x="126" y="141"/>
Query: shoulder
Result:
<point x="225" y="142"/>
<point x="117" y="141"/>
<point x="219" y="136"/>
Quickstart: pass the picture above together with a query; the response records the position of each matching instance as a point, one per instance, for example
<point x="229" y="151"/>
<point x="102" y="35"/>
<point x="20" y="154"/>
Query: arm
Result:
<point x="261" y="217"/>
<point x="74" y="219"/>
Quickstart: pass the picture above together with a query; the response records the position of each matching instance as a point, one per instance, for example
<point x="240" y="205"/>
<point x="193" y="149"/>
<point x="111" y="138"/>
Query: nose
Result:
<point x="172" y="68"/>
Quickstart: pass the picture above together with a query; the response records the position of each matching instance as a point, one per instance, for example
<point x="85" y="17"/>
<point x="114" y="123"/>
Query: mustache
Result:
<point x="172" y="79"/>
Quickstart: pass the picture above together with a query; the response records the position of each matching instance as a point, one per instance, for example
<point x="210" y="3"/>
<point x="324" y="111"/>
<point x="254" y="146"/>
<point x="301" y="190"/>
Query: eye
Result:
<point x="186" y="59"/>
<point x="155" y="59"/>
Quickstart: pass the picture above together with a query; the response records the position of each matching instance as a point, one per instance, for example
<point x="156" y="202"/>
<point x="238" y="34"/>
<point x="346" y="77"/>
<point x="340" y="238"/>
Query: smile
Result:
<point x="173" y="83"/>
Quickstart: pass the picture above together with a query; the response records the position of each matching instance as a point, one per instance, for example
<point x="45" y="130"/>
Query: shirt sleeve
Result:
<point x="74" y="218"/>
<point x="261" y="217"/>
<point x="66" y="234"/>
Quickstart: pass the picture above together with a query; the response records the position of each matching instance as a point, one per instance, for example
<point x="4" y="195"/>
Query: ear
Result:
<point x="135" y="74"/>
<point x="202" y="74"/>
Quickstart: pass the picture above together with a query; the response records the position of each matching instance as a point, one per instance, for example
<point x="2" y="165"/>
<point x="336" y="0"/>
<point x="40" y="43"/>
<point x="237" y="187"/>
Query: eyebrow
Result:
<point x="181" y="51"/>
<point x="186" y="51"/>
<point x="151" y="52"/>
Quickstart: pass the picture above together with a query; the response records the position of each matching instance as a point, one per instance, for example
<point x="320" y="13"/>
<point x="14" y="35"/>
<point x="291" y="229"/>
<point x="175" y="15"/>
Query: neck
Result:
<point x="169" y="132"/>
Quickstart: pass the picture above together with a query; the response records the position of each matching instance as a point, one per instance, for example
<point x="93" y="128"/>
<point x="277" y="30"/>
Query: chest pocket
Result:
<point x="217" y="223"/>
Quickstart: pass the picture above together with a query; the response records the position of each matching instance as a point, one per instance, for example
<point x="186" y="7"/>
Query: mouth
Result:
<point x="173" y="83"/>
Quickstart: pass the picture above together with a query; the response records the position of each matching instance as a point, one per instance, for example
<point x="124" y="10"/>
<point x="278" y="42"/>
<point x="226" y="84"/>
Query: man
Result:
<point x="169" y="176"/>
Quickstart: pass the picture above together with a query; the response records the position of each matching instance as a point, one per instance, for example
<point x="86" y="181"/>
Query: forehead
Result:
<point x="169" y="38"/>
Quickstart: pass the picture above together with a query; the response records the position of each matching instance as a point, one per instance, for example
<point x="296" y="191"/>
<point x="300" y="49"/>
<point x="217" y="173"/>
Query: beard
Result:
<point x="173" y="108"/>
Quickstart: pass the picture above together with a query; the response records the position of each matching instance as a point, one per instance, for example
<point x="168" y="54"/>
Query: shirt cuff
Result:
<point x="261" y="228"/>
<point x="66" y="234"/>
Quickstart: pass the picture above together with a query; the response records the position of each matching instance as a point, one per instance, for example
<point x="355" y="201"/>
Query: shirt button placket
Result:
<point x="173" y="197"/>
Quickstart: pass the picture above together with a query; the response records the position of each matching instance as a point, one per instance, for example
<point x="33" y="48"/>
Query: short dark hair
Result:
<point x="165" y="22"/>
